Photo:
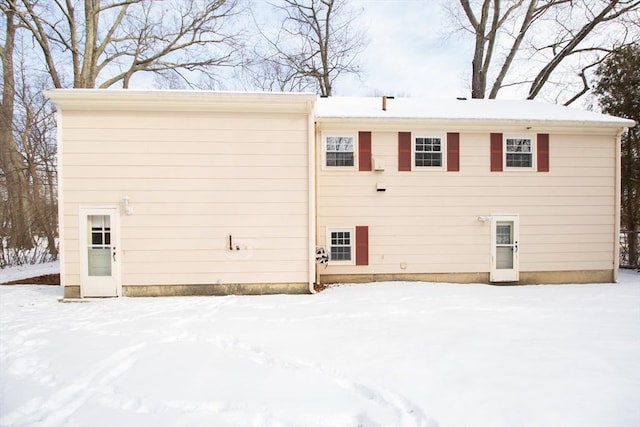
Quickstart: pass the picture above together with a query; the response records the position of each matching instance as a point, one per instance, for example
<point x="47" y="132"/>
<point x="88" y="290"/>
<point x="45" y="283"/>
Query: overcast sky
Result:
<point x="410" y="52"/>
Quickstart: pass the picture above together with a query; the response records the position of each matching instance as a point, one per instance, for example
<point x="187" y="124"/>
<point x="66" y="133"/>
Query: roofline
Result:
<point x="234" y="101"/>
<point x="183" y="100"/>
<point x="620" y="123"/>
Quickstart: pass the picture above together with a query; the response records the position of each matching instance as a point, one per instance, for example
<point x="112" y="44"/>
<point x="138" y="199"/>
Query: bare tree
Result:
<point x="34" y="124"/>
<point x="544" y="35"/>
<point x="17" y="221"/>
<point x="86" y="44"/>
<point x="106" y="43"/>
<point x="317" y="42"/>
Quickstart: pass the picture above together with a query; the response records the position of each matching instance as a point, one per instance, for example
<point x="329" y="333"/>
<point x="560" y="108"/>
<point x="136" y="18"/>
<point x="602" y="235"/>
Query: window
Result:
<point x="428" y="152"/>
<point x="339" y="151"/>
<point x="519" y="153"/>
<point x="99" y="248"/>
<point x="341" y="245"/>
<point x="100" y="231"/>
<point x="348" y="246"/>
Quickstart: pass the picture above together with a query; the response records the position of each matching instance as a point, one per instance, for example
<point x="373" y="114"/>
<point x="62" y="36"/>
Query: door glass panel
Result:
<point x="504" y="234"/>
<point x="504" y="245"/>
<point x="504" y="257"/>
<point x="99" y="247"/>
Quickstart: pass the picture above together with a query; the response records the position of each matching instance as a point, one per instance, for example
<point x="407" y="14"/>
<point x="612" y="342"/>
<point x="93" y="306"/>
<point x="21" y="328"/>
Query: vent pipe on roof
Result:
<point x="384" y="101"/>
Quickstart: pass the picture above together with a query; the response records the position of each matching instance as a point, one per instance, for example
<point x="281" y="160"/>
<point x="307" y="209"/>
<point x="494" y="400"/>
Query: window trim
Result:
<point x="352" y="245"/>
<point x="443" y="151"/>
<point x="533" y="153"/>
<point x="351" y="135"/>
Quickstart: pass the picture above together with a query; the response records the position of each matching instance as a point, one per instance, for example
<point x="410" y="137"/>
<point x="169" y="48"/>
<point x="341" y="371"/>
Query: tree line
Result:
<point x="556" y="49"/>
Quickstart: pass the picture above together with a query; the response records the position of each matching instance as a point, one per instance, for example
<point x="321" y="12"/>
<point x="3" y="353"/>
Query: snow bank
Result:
<point x="384" y="354"/>
<point x="21" y="272"/>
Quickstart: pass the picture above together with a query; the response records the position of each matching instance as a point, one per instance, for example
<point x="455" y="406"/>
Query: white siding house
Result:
<point x="467" y="190"/>
<point x="183" y="193"/>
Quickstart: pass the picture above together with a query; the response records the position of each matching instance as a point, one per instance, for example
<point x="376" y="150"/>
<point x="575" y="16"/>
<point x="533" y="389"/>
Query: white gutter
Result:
<point x="617" y="205"/>
<point x="311" y="136"/>
<point x="60" y="173"/>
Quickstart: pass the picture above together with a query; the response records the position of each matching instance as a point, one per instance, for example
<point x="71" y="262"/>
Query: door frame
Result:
<point x="505" y="275"/>
<point x="114" y="214"/>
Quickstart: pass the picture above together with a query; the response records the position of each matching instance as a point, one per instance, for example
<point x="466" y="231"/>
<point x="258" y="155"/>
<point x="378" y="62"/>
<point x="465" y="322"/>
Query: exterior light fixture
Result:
<point x="128" y="210"/>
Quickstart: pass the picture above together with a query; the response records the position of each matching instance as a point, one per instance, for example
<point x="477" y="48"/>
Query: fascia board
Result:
<point x="467" y="124"/>
<point x="167" y="100"/>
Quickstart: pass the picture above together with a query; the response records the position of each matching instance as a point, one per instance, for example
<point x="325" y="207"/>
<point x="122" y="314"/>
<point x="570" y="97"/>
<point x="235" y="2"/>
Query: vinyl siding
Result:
<point x="193" y="179"/>
<point x="427" y="219"/>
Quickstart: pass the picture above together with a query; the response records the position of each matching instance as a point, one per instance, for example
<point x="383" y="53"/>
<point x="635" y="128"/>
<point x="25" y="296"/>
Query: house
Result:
<point x="198" y="193"/>
<point x="184" y="193"/>
<point x="468" y="190"/>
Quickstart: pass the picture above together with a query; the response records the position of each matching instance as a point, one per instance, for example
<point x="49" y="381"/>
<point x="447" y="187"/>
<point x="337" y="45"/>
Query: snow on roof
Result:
<point x="487" y="110"/>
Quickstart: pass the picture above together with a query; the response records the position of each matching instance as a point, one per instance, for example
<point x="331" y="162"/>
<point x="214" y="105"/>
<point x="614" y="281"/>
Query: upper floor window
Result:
<point x="428" y="152"/>
<point x="339" y="151"/>
<point x="519" y="152"/>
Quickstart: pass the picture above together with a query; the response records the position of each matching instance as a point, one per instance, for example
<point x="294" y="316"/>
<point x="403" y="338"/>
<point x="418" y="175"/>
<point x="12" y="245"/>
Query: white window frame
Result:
<point x="352" y="244"/>
<point x="532" y="139"/>
<point x="443" y="151"/>
<point x="353" y="136"/>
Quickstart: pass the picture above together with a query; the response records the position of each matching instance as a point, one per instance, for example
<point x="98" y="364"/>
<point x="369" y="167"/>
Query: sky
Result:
<point x="410" y="52"/>
<point x="414" y="48"/>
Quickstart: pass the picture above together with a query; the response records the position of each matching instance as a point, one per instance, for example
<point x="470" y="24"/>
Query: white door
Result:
<point x="504" y="248"/>
<point x="98" y="253"/>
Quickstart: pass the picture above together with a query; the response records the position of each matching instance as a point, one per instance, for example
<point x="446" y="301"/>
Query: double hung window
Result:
<point x="519" y="152"/>
<point x="339" y="151"/>
<point x="348" y="245"/>
<point x="428" y="152"/>
<point x="341" y="245"/>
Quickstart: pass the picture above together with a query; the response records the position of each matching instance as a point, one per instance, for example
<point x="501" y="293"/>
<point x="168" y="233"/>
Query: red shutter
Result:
<point x="404" y="151"/>
<point x="364" y="151"/>
<point x="362" y="245"/>
<point x="453" y="152"/>
<point x="543" y="152"/>
<point x="496" y="152"/>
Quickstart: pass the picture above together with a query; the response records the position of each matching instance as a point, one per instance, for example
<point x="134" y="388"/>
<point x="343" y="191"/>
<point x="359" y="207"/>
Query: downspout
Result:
<point x="60" y="173"/>
<point x="311" y="136"/>
<point x="618" y="205"/>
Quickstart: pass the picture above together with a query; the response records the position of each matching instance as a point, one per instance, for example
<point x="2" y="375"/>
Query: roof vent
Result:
<point x="461" y="98"/>
<point x="384" y="101"/>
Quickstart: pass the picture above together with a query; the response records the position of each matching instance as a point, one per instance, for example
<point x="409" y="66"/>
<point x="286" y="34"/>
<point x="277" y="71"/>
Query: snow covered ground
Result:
<point x="385" y="354"/>
<point x="9" y="274"/>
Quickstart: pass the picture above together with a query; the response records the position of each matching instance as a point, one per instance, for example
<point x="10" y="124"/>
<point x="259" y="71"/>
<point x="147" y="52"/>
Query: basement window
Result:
<point x="341" y="245"/>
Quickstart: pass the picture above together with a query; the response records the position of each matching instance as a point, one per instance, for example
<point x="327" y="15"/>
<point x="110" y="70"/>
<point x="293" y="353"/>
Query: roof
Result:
<point x="179" y="100"/>
<point x="472" y="110"/>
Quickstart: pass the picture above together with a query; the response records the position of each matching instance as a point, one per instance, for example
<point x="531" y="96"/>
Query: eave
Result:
<point x="170" y="100"/>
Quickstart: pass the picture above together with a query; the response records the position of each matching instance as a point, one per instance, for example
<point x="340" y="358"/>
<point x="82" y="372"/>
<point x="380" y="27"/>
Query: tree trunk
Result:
<point x="11" y="161"/>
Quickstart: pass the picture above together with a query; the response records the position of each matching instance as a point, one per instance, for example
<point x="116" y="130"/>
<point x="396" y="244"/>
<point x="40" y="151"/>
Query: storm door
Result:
<point x="99" y="255"/>
<point x="504" y="248"/>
